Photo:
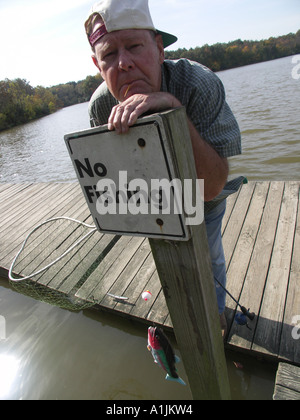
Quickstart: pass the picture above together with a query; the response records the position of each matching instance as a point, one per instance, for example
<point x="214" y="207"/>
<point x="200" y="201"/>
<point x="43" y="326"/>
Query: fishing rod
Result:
<point x="250" y="315"/>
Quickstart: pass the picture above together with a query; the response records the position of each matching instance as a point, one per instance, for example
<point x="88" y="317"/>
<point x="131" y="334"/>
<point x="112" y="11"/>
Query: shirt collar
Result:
<point x="164" y="86"/>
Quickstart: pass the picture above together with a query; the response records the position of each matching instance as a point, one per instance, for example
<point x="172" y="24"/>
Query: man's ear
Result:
<point x="95" y="61"/>
<point x="161" y="49"/>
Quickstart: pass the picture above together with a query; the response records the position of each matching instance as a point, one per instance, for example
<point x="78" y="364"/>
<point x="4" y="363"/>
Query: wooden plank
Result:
<point x="75" y="271"/>
<point x="93" y="289"/>
<point x="4" y="187"/>
<point x="158" y="312"/>
<point x="287" y="385"/>
<point x="142" y="308"/>
<point x="17" y="201"/>
<point x="49" y="209"/>
<point x="282" y="393"/>
<point x="269" y="325"/>
<point x="24" y="216"/>
<point x="254" y="284"/>
<point x="126" y="277"/>
<point x="10" y="191"/>
<point x="240" y="260"/>
<point x="290" y="340"/>
<point x="13" y="207"/>
<point x="116" y="268"/>
<point x="11" y="231"/>
<point x="26" y="203"/>
<point x="45" y="236"/>
<point x="234" y="225"/>
<point x="137" y="286"/>
<point x="230" y="203"/>
<point x="55" y="244"/>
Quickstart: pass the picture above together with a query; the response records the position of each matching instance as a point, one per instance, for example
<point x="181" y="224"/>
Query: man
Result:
<point x="129" y="53"/>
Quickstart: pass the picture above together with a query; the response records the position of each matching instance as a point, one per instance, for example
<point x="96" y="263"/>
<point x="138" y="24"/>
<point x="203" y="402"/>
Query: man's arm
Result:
<point x="209" y="165"/>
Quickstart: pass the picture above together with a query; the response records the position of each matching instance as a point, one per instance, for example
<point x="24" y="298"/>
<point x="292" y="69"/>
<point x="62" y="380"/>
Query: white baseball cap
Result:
<point x="123" y="14"/>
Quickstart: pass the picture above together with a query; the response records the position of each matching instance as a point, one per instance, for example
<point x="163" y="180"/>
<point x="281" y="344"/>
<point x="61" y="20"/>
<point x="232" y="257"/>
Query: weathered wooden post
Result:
<point x="186" y="276"/>
<point x="159" y="147"/>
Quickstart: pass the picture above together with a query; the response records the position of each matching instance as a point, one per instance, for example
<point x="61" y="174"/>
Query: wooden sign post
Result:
<point x="159" y="146"/>
<point x="186" y="276"/>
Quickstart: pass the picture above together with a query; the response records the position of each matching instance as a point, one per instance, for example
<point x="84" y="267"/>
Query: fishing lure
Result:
<point x="163" y="353"/>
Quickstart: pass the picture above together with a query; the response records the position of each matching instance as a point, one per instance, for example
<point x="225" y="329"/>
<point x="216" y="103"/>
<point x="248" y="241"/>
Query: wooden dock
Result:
<point x="261" y="237"/>
<point x="287" y="385"/>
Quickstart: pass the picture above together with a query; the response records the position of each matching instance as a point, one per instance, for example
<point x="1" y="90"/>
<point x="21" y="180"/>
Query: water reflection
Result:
<point x="2" y="328"/>
<point x="9" y="367"/>
<point x="85" y="355"/>
<point x="52" y="353"/>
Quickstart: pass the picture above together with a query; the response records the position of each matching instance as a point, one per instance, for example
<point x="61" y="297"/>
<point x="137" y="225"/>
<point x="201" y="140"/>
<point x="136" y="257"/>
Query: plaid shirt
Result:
<point x="202" y="93"/>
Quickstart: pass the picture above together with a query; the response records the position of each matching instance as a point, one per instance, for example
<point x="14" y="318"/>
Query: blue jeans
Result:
<point x="213" y="221"/>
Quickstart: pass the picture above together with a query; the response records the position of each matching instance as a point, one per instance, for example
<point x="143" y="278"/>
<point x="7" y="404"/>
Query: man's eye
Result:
<point x="135" y="46"/>
<point x="108" y="55"/>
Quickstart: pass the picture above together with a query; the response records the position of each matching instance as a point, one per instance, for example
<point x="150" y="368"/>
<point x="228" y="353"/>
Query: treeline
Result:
<point x="223" y="56"/>
<point x="21" y="103"/>
<point x="76" y="92"/>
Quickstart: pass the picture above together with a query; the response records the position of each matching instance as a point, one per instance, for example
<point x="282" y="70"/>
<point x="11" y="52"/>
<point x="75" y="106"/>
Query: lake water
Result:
<point x="53" y="354"/>
<point x="264" y="97"/>
<point x="49" y="353"/>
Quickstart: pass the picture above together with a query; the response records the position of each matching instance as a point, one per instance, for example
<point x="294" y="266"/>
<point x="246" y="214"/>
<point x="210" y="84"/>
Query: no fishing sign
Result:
<point x="130" y="182"/>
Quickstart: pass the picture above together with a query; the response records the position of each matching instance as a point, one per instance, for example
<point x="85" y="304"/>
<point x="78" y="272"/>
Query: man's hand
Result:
<point x="126" y="113"/>
<point x="209" y="165"/>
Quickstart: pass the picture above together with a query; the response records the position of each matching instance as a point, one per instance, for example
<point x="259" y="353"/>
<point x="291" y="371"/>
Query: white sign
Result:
<point x="129" y="181"/>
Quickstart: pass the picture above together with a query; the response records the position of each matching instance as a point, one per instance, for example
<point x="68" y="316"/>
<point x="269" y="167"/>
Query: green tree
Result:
<point x="222" y="56"/>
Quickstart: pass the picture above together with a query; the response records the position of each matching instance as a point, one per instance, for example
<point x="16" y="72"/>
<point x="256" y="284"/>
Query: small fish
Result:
<point x="238" y="365"/>
<point x="117" y="297"/>
<point x="163" y="354"/>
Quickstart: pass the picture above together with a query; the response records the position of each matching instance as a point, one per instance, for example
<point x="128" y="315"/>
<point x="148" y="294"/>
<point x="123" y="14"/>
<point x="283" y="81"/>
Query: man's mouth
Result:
<point x="128" y="87"/>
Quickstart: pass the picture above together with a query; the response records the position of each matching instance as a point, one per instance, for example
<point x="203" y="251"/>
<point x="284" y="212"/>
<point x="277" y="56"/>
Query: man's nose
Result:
<point x="125" y="62"/>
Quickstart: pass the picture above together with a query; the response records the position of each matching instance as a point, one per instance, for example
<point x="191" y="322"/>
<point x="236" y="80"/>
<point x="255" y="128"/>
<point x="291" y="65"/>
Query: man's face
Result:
<point x="130" y="62"/>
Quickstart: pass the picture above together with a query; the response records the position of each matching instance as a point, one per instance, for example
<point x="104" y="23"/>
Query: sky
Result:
<point x="44" y="42"/>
